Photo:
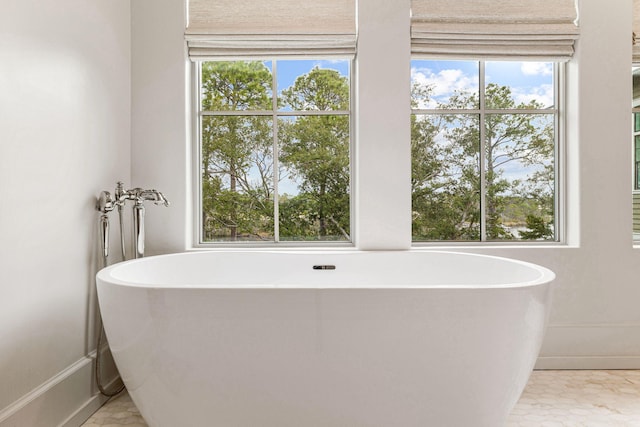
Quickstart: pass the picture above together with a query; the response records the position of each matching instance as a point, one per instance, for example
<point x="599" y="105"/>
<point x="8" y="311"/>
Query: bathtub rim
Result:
<point x="105" y="275"/>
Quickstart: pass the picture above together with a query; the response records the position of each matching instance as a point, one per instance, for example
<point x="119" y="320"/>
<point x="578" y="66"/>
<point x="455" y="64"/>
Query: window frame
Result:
<point x="635" y="162"/>
<point x="274" y="113"/>
<point x="560" y="166"/>
<point x="559" y="113"/>
<point x="635" y="141"/>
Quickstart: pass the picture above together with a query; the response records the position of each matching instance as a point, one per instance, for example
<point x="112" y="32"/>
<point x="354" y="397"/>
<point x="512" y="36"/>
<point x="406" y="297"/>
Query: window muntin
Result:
<point x="636" y="160"/>
<point x="484" y="154"/>
<point x="274" y="169"/>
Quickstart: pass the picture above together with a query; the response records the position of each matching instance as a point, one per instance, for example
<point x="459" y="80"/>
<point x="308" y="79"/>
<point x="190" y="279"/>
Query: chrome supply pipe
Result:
<point x="105" y="204"/>
<point x="121" y="197"/>
<point x="122" y="243"/>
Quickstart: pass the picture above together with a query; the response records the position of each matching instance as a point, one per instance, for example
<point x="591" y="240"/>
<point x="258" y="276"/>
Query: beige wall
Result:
<point x="64" y="136"/>
<point x="160" y="83"/>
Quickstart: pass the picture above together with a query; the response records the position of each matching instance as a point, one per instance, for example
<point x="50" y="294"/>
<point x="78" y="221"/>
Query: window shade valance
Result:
<point x="225" y="29"/>
<point x="494" y="29"/>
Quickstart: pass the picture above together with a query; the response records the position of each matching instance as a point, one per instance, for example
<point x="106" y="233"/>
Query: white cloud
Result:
<point x="444" y="83"/>
<point x="537" y="68"/>
<point x="542" y="94"/>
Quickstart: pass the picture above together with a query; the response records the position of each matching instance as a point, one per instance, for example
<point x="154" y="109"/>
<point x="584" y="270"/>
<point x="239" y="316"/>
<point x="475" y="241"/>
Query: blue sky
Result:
<point x="528" y="80"/>
<point x="288" y="71"/>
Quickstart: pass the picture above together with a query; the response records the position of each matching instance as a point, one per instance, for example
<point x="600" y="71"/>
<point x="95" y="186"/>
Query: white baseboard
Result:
<point x="587" y="362"/>
<point x="66" y="400"/>
<point x="590" y="346"/>
<point x="85" y="411"/>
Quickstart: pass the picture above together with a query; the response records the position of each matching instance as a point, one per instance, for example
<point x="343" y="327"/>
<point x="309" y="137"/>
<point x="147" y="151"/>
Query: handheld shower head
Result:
<point x="104" y="236"/>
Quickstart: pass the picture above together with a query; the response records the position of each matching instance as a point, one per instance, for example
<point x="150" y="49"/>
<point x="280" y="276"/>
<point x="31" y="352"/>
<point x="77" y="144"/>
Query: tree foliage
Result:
<point x="446" y="169"/>
<point x="238" y="155"/>
<point x="234" y="205"/>
<point x="315" y="150"/>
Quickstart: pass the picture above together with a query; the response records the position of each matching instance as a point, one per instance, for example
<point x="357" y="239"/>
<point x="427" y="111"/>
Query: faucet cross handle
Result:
<point x="105" y="202"/>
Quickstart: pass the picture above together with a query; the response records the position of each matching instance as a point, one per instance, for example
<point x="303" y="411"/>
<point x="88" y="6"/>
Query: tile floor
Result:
<point x="551" y="399"/>
<point x="118" y="411"/>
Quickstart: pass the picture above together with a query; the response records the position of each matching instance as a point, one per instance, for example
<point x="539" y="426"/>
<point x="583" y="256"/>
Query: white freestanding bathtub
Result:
<point x="324" y="339"/>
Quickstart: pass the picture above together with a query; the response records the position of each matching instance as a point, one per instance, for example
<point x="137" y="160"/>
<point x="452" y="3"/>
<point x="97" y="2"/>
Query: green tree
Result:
<point x="524" y="138"/>
<point x="521" y="138"/>
<point x="538" y="228"/>
<point x="314" y="149"/>
<point x="539" y="218"/>
<point x="235" y="150"/>
<point x="444" y="202"/>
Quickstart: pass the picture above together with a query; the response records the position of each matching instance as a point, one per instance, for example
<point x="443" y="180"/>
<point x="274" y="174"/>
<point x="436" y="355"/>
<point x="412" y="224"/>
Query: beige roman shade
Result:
<point x="232" y="29"/>
<point x="494" y="29"/>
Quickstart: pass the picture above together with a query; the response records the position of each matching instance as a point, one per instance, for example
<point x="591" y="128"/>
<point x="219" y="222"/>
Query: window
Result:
<point x="274" y="150"/>
<point x="484" y="150"/>
<point x="275" y="164"/>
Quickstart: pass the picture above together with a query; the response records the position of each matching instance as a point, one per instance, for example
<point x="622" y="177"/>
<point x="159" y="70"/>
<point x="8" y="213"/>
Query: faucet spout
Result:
<point x="154" y="196"/>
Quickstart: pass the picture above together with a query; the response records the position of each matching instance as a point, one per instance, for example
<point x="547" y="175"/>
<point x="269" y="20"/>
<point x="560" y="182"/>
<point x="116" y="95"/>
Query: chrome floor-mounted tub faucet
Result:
<point x="138" y="196"/>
